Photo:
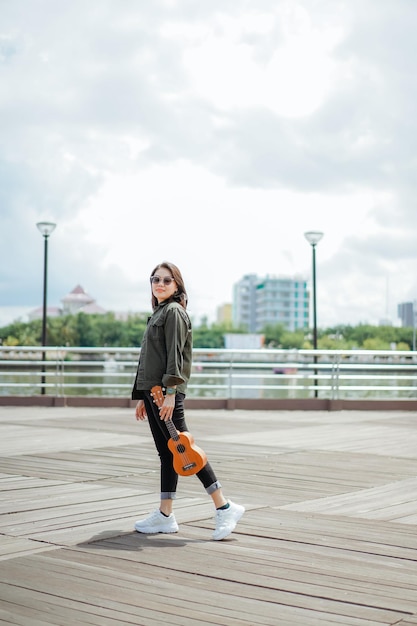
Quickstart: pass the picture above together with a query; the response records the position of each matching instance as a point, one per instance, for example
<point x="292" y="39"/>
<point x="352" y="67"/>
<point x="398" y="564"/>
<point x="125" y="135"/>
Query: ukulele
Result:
<point x="188" y="459"/>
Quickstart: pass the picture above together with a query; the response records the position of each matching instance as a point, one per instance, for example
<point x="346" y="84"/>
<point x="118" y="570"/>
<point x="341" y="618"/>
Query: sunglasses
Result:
<point x="167" y="280"/>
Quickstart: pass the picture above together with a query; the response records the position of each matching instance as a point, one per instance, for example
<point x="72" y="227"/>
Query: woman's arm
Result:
<point x="177" y="331"/>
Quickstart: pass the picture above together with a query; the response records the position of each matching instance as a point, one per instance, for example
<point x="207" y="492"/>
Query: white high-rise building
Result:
<point x="271" y="300"/>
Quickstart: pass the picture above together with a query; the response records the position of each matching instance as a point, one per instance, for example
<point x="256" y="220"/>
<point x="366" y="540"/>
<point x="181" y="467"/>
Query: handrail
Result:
<point x="225" y="373"/>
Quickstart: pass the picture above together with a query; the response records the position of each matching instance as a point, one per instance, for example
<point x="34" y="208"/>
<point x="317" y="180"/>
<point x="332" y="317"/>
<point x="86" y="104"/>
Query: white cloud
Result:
<point x="233" y="66"/>
<point x="213" y="135"/>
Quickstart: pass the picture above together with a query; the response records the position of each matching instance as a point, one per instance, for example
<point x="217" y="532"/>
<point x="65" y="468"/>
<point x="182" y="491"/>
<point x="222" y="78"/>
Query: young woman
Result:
<point x="165" y="360"/>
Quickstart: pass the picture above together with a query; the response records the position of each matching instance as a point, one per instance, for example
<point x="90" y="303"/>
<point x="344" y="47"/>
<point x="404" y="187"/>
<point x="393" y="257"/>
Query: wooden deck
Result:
<point x="329" y="537"/>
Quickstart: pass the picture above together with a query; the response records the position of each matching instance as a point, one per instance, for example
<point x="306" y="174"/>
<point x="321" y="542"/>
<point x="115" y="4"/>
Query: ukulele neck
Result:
<point x="172" y="430"/>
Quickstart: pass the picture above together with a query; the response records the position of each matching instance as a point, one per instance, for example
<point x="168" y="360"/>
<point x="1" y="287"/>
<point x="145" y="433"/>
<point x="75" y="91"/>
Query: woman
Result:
<point x="165" y="360"/>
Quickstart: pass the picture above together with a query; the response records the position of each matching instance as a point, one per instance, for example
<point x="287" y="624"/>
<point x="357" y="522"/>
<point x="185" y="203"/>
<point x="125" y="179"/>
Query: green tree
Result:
<point x="273" y="334"/>
<point x="10" y="340"/>
<point x="110" y="332"/>
<point x="27" y="334"/>
<point x="105" y="330"/>
<point x="293" y="340"/>
<point x="375" y="343"/>
<point x="135" y="328"/>
<point x="205" y="337"/>
<point x="401" y="345"/>
<point x="63" y="331"/>
<point x="86" y="331"/>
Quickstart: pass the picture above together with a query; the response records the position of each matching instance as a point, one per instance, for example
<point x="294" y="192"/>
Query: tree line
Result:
<point x="107" y="331"/>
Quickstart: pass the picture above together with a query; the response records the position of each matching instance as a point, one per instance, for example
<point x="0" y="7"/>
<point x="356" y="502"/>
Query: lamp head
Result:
<point x="313" y="236"/>
<point x="46" y="228"/>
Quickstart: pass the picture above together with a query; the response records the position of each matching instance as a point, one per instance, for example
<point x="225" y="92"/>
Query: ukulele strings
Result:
<point x="158" y="399"/>
<point x="184" y="456"/>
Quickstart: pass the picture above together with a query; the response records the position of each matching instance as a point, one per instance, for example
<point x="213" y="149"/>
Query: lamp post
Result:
<point x="313" y="237"/>
<point x="45" y="228"/>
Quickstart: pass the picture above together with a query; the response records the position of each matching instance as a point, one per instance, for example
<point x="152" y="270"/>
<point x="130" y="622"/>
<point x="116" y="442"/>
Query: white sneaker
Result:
<point x="157" y="523"/>
<point x="227" y="519"/>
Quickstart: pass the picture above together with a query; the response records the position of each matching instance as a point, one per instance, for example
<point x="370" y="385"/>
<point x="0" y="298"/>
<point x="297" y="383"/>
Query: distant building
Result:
<point x="385" y="321"/>
<point x="76" y="301"/>
<point x="244" y="303"/>
<point x="51" y="311"/>
<point x="224" y="313"/>
<point x="271" y="300"/>
<point x="406" y="314"/>
<point x="247" y="341"/>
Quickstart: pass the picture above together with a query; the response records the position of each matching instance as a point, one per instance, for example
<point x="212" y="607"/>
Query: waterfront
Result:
<point x="217" y="379"/>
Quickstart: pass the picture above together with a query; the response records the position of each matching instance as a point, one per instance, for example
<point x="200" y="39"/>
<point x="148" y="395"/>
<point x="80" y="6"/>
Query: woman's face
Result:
<point x="163" y="289"/>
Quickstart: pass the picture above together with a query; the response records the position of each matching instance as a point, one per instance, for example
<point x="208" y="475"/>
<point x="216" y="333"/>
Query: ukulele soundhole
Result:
<point x="181" y="448"/>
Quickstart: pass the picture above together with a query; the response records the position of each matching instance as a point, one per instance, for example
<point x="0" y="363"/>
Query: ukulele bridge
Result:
<point x="189" y="466"/>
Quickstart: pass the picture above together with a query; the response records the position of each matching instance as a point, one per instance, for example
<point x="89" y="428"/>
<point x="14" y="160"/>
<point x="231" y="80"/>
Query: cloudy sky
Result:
<point x="212" y="134"/>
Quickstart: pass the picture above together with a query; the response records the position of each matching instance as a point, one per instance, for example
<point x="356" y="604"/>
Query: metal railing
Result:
<point x="217" y="373"/>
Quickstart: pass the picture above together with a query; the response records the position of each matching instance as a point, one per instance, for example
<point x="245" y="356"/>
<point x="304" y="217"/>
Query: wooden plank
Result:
<point x="408" y="621"/>
<point x="212" y="600"/>
<point x="266" y="562"/>
<point x="387" y="502"/>
<point x="323" y="540"/>
<point x="30" y="440"/>
<point x="61" y="496"/>
<point x="360" y="535"/>
<point x="11" y="547"/>
<point x="82" y="464"/>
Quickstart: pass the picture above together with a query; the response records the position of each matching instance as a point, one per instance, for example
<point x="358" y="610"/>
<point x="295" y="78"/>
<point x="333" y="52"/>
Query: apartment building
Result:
<point x="406" y="313"/>
<point x="271" y="300"/>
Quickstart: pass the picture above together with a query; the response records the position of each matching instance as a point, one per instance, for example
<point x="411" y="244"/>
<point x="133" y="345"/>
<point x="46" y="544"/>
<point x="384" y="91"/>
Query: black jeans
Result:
<point x="169" y="477"/>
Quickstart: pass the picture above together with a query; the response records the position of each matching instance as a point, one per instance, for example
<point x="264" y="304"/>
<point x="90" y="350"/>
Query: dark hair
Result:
<point x="180" y="295"/>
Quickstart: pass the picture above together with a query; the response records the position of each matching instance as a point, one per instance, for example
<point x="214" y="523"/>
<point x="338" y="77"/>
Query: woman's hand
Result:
<point x="140" y="411"/>
<point x="167" y="409"/>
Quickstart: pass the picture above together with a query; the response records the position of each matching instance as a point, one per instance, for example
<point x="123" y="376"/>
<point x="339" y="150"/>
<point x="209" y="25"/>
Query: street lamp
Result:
<point x="313" y="237"/>
<point x="45" y="228"/>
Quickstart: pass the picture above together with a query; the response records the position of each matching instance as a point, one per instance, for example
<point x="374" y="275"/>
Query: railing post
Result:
<point x="60" y="372"/>
<point x="335" y="377"/>
<point x="230" y="382"/>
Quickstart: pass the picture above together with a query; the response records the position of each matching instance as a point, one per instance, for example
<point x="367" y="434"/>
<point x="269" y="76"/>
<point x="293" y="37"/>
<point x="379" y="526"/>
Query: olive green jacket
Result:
<point x="166" y="351"/>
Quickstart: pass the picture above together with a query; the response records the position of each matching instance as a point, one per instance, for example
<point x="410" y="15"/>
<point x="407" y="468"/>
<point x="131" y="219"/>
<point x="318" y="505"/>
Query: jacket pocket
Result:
<point x="156" y="331"/>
